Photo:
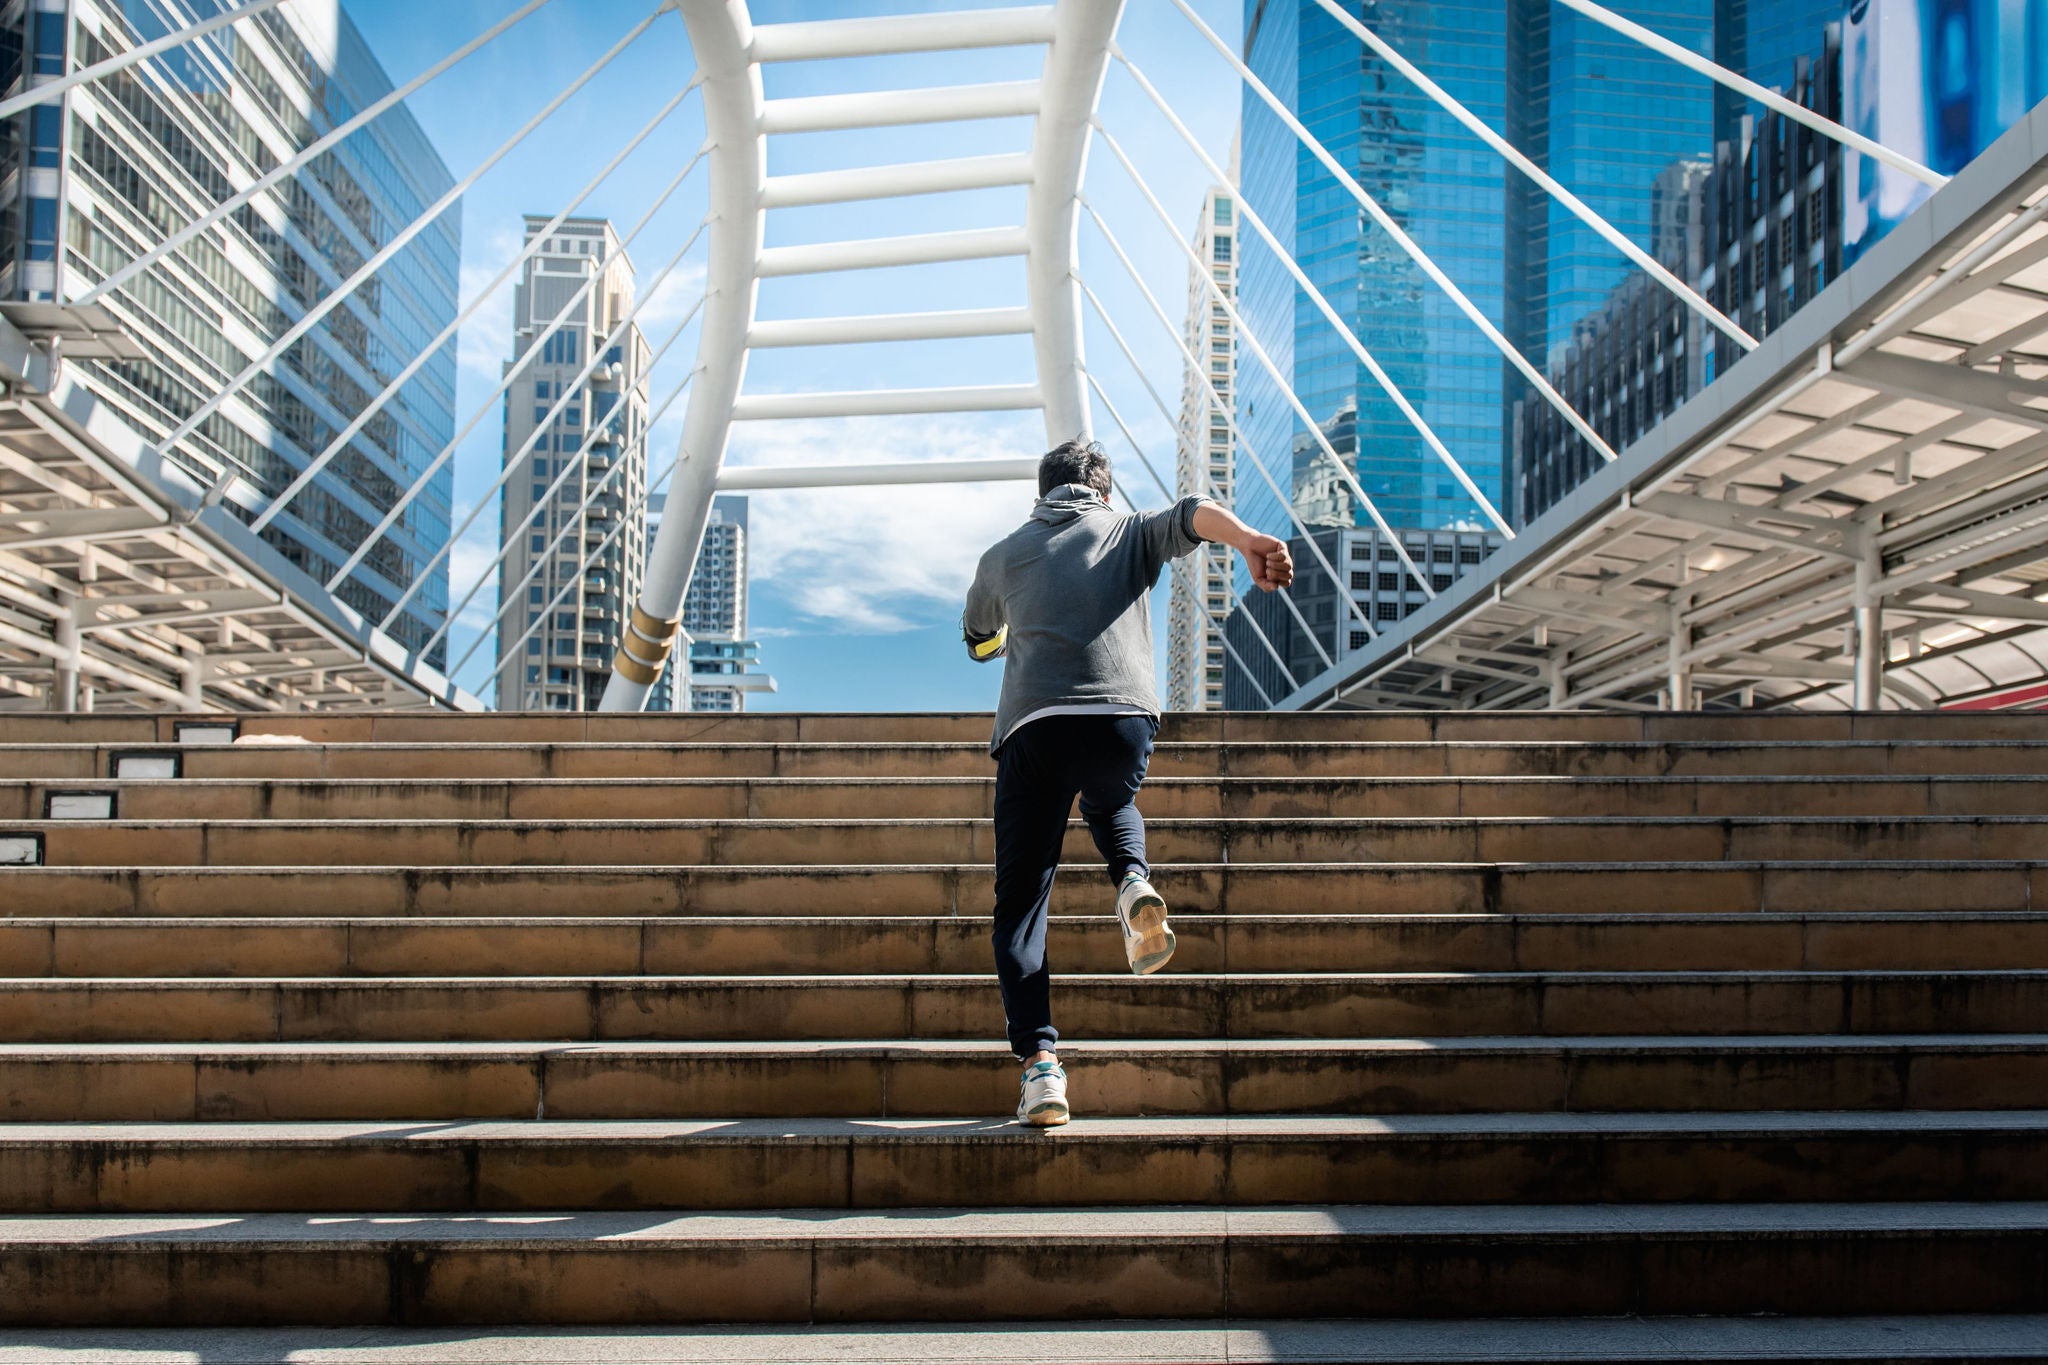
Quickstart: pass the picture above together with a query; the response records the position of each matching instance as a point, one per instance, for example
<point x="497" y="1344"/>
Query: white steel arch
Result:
<point x="1078" y="36"/>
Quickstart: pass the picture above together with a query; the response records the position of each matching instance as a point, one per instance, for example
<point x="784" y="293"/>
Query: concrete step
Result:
<point x="487" y="1167"/>
<point x="755" y="946"/>
<point x="416" y="728"/>
<point x="1891" y="1340"/>
<point x="809" y="1265"/>
<point x="1180" y="1005"/>
<point x="805" y="843"/>
<point x="1333" y="758"/>
<point x="419" y="1081"/>
<point x="972" y="798"/>
<point x="962" y="798"/>
<point x="1719" y="887"/>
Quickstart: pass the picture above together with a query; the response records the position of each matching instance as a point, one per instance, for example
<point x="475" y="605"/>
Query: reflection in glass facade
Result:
<point x="1762" y="39"/>
<point x="120" y="164"/>
<point x="1617" y="115"/>
<point x="1604" y="115"/>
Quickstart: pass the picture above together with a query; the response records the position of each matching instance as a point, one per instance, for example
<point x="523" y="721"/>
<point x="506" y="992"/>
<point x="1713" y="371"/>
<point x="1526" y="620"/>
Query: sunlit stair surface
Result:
<point x="1490" y="1037"/>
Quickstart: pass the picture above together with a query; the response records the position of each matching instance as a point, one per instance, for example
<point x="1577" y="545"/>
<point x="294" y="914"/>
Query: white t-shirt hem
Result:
<point x="1085" y="708"/>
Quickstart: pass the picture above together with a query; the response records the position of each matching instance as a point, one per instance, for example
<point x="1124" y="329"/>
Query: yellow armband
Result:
<point x="992" y="647"/>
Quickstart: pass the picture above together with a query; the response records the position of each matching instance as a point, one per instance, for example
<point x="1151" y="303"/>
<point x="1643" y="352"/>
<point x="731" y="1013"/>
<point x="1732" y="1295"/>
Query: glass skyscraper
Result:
<point x="1601" y="113"/>
<point x="119" y="164"/>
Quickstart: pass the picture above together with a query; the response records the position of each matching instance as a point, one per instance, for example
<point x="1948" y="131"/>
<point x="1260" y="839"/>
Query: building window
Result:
<point x="1360" y="579"/>
<point x="1358" y="639"/>
<point x="1387" y="611"/>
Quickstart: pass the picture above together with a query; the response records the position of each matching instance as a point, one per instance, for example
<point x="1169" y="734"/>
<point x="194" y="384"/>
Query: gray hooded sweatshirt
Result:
<point x="1073" y="585"/>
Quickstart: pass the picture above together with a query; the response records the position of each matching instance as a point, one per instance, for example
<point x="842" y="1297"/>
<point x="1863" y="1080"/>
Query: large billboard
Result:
<point x="1937" y="80"/>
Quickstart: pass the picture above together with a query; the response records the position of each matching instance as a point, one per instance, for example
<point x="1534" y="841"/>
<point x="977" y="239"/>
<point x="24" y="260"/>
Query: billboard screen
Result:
<point x="1937" y="80"/>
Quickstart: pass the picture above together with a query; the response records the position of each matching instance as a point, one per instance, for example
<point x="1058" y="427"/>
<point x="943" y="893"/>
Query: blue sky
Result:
<point x="856" y="592"/>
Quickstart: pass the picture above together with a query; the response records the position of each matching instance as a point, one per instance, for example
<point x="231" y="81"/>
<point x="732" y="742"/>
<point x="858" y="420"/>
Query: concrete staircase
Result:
<point x="672" y="1019"/>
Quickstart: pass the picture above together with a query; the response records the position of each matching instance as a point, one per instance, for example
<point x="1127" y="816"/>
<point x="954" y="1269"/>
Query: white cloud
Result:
<point x="469" y="558"/>
<point x="881" y="559"/>
<point x="666" y="306"/>
<point x="485" y="342"/>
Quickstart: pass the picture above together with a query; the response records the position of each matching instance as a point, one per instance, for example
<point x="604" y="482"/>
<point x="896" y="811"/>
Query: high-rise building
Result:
<point x="576" y="420"/>
<point x="715" y="615"/>
<point x="1603" y="114"/>
<point x="1205" y="465"/>
<point x="91" y="181"/>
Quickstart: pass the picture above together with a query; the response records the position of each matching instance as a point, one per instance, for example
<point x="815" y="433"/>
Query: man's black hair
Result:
<point x="1074" y="461"/>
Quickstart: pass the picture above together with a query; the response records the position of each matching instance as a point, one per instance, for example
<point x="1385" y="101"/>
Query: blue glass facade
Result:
<point x="1603" y="114"/>
<point x="1618" y="114"/>
<point x="119" y="164"/>
<point x="1762" y="39"/>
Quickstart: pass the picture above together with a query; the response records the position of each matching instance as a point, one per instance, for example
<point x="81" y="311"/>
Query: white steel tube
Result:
<point x="892" y="108"/>
<point x="1229" y="576"/>
<point x="1250" y="341"/>
<point x="43" y="94"/>
<point x="944" y="32"/>
<point x="1222" y="409"/>
<point x="1770" y="99"/>
<point x="1343" y="329"/>
<point x="304" y="158"/>
<point x="892" y="182"/>
<point x="1075" y="66"/>
<point x="874" y="253"/>
<point x="533" y="245"/>
<point x="1579" y="208"/>
<point x="507" y="539"/>
<point x="1407" y="244"/>
<point x="571" y="393"/>
<point x="887" y="402"/>
<point x="398" y="243"/>
<point x="512" y="372"/>
<point x="723" y="37"/>
<point x="965" y="322"/>
<point x="734" y="477"/>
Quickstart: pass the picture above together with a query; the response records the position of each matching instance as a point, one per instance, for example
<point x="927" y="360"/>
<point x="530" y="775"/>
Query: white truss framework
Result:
<point x="1854" y="515"/>
<point x="740" y="124"/>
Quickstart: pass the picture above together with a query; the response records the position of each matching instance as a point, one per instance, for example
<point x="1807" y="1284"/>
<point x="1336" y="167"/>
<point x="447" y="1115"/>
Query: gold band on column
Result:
<point x="630" y="668"/>
<point x="653" y="629"/>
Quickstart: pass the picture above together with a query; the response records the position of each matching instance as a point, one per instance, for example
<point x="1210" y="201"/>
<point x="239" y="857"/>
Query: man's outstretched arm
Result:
<point x="1266" y="556"/>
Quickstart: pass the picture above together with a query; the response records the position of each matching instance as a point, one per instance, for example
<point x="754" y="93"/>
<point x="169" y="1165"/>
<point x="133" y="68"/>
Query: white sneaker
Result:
<point x="1148" y="943"/>
<point x="1043" y="1103"/>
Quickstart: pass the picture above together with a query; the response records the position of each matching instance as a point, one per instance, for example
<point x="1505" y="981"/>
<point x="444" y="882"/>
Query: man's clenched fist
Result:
<point x="1272" y="567"/>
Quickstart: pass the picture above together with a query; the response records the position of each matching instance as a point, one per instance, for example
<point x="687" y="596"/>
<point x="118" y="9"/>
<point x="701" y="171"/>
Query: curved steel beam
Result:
<point x="722" y="36"/>
<point x="1075" y="64"/>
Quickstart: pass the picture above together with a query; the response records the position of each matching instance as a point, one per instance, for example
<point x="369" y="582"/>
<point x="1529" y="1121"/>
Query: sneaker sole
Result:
<point x="1154" y="944"/>
<point x="1047" y="1116"/>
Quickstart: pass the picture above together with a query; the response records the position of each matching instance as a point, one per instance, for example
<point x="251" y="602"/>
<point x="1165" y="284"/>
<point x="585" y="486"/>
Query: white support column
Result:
<point x="722" y="36"/>
<point x="1869" y="618"/>
<point x="1678" y="679"/>
<point x="192" y="681"/>
<point x="64" y="692"/>
<point x="1075" y="65"/>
